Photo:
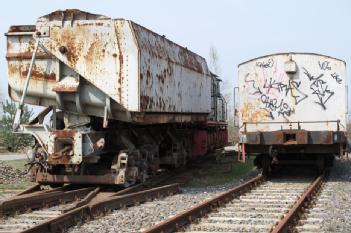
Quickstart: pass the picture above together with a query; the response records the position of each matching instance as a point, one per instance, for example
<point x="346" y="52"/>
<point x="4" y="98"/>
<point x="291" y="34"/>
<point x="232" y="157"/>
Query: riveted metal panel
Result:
<point x="292" y="91"/>
<point x="49" y="75"/>
<point x="89" y="46"/>
<point x="20" y="47"/>
<point x="172" y="78"/>
<point x="100" y="60"/>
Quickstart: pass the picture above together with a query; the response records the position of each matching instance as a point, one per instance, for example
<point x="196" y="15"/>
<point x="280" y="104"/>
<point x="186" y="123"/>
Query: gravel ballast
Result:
<point x="332" y="211"/>
<point x="12" y="180"/>
<point x="10" y="175"/>
<point x="143" y="216"/>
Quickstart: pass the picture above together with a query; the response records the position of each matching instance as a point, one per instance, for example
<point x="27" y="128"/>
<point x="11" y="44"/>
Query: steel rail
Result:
<point x="177" y="222"/>
<point x="31" y="189"/>
<point x="23" y="203"/>
<point x="294" y="213"/>
<point x="85" y="200"/>
<point x="97" y="208"/>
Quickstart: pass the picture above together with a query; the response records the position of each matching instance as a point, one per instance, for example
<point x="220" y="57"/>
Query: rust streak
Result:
<point x="65" y="133"/>
<point x="120" y="58"/>
<point x="22" y="28"/>
<point x="26" y="55"/>
<point x="38" y="75"/>
<point x="65" y="88"/>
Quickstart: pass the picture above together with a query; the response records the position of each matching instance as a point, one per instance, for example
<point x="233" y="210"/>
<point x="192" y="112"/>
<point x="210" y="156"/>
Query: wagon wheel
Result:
<point x="266" y="165"/>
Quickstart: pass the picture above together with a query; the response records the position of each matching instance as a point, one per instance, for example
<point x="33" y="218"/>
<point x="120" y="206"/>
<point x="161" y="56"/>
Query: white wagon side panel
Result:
<point x="293" y="87"/>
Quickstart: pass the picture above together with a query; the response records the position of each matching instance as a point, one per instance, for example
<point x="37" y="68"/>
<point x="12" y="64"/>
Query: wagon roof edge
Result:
<point x="301" y="53"/>
<point x="100" y="16"/>
<point x="165" y="37"/>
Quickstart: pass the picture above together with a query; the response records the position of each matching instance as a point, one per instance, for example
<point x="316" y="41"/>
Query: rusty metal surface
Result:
<point x="288" y="87"/>
<point x="172" y="78"/>
<point x="22" y="28"/>
<point x="324" y="137"/>
<point x="59" y="224"/>
<point x="293" y="213"/>
<point x="294" y="137"/>
<point x="175" y="223"/>
<point x="138" y="69"/>
<point x="23" y="203"/>
<point x="31" y="189"/>
<point x="100" y="207"/>
<point x="20" y="46"/>
<point x="302" y="137"/>
<point x="45" y="178"/>
<point x="67" y="84"/>
<point x="87" y="46"/>
<point x="130" y="199"/>
<point x="253" y="137"/>
<point x="154" y="118"/>
<point x="85" y="200"/>
<point x="64" y="147"/>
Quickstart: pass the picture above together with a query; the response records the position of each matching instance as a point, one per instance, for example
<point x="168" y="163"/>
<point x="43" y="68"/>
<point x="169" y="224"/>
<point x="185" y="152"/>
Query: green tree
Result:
<point x="13" y="141"/>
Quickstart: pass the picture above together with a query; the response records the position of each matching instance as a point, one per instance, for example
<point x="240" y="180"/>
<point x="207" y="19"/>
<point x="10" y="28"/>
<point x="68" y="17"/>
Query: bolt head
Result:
<point x="63" y="49"/>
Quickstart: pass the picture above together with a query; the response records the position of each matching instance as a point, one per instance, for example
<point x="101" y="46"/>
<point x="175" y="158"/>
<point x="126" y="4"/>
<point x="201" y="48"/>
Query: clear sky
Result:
<point x="240" y="30"/>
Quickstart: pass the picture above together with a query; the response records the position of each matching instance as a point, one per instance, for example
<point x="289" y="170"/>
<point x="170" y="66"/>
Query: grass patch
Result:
<point x="17" y="164"/>
<point x="16" y="186"/>
<point x="217" y="173"/>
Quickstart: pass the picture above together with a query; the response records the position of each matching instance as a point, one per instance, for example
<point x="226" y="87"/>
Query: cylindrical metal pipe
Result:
<point x="18" y="115"/>
<point x="28" y="75"/>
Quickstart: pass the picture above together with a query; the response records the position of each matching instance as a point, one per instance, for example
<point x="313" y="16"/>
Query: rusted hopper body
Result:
<point x="124" y="100"/>
<point x="85" y="61"/>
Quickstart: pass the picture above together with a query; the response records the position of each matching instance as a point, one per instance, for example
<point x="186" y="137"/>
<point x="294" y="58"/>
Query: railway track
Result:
<point x="314" y="216"/>
<point x="57" y="209"/>
<point x="54" y="210"/>
<point x="258" y="205"/>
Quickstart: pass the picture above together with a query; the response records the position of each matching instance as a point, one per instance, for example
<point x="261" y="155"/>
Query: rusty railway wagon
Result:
<point x="292" y="109"/>
<point x="120" y="101"/>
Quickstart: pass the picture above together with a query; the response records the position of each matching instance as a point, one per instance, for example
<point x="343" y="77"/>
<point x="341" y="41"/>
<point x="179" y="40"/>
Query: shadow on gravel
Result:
<point x="341" y="171"/>
<point x="300" y="171"/>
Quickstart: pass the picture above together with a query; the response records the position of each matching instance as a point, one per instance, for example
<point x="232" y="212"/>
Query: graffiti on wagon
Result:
<point x="279" y="97"/>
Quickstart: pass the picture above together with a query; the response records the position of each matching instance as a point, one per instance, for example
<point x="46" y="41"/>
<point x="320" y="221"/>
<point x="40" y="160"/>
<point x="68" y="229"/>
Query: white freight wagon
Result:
<point x="292" y="103"/>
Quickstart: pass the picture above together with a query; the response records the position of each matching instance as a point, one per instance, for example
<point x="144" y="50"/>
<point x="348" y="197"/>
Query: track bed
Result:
<point x="255" y="206"/>
<point x="57" y="209"/>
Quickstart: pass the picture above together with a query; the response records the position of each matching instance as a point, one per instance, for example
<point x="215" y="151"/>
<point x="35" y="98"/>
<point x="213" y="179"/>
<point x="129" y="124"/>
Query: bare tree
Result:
<point x="214" y="60"/>
<point x="2" y="99"/>
<point x="227" y="88"/>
